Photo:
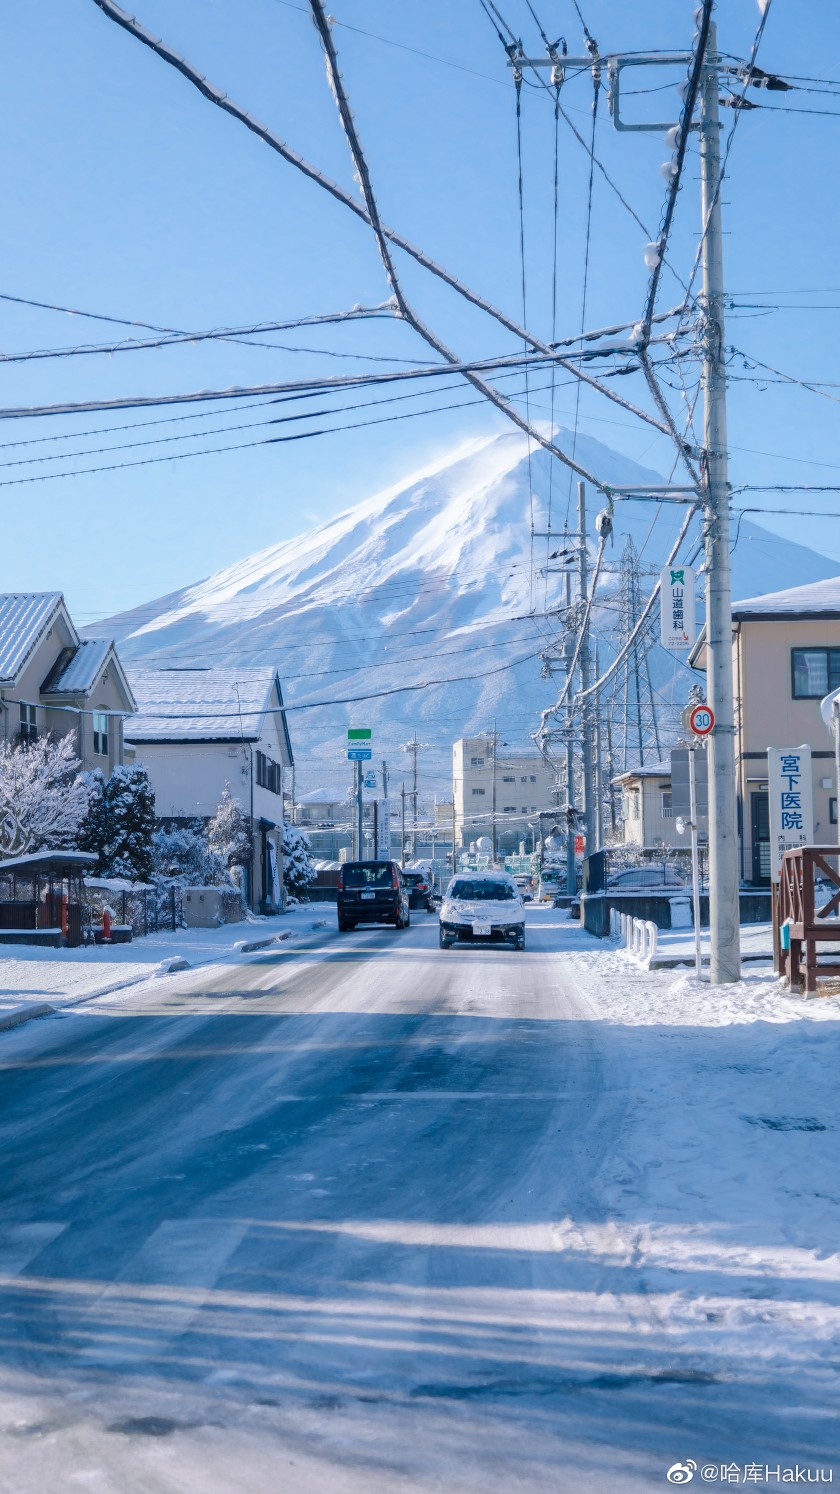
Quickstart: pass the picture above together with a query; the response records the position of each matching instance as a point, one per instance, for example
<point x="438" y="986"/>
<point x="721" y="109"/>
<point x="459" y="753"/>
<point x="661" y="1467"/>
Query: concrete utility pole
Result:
<point x="493" y="801"/>
<point x="402" y="825"/>
<point x="360" y="813"/>
<point x="571" y="869"/>
<point x="724" y="915"/>
<point x="589" y="775"/>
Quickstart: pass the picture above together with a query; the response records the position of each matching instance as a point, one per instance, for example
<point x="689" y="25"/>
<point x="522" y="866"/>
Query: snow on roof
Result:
<point x="23" y="617"/>
<point x="199" y="705"/>
<point x="817" y="599"/>
<point x="651" y="770"/>
<point x="48" y="860"/>
<point x="79" y="672"/>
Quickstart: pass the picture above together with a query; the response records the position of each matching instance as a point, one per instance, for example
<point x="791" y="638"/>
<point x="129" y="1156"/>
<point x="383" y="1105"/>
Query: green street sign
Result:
<point x="359" y="733"/>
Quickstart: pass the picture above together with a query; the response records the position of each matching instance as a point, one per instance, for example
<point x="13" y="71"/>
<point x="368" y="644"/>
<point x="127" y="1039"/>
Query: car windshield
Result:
<point x="481" y="890"/>
<point x="369" y="874"/>
<point x="413" y="877"/>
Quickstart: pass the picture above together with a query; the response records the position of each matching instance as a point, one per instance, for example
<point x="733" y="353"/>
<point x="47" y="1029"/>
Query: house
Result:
<point x="498" y="791"/>
<point x="785" y="659"/>
<point x="650" y="821"/>
<point x="52" y="682"/>
<point x="198" y="728"/>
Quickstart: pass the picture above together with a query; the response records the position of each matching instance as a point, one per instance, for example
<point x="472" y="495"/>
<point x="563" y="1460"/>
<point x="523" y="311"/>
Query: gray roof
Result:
<point x="47" y="861"/>
<point x="23" y="618"/>
<point x="651" y="770"/>
<point x="198" y="704"/>
<point x="77" y="670"/>
<point x="817" y="599"/>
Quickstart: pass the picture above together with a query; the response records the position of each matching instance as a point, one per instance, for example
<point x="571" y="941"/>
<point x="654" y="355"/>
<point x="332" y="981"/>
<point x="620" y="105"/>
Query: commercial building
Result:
<point x="498" y="792"/>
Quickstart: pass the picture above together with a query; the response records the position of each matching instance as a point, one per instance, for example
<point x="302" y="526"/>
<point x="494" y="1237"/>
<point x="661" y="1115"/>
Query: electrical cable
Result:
<point x="337" y="85"/>
<point x="215" y="95"/>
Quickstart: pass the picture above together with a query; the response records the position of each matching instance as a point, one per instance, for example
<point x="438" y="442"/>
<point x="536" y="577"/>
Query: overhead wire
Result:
<point x="215" y="95"/>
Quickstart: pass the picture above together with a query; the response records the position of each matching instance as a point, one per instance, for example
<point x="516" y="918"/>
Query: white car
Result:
<point x="484" y="907"/>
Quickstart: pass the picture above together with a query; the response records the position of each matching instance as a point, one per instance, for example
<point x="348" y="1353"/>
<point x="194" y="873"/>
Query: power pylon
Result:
<point x="637" y="725"/>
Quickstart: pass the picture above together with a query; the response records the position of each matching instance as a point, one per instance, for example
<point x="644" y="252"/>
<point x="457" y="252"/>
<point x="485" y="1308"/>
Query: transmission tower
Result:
<point x="637" y="726"/>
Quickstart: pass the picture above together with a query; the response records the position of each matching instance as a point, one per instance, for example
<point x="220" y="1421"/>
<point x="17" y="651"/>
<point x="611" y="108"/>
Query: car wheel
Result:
<point x="445" y="940"/>
<point x="344" y="927"/>
<point x="407" y="924"/>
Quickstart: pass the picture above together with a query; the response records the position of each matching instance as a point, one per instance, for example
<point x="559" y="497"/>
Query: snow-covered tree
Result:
<point x="130" y="808"/>
<point x="229" y="832"/>
<point x="182" y="854"/>
<point x="93" y="831"/>
<point x="298" y="868"/>
<point x="43" y="796"/>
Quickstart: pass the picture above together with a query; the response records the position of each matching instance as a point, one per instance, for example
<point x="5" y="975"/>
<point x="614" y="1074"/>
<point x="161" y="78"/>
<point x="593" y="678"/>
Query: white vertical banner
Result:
<point x="384" y="830"/>
<point x="678" y="626"/>
<point x="791" y="790"/>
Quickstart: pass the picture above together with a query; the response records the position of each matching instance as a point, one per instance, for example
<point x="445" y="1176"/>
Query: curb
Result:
<point x="20" y="1014"/>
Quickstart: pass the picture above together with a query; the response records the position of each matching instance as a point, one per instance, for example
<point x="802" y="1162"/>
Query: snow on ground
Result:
<point x="725" y="1186"/>
<point x="59" y="976"/>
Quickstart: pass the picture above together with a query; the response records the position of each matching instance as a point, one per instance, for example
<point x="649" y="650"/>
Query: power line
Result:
<point x="215" y="95"/>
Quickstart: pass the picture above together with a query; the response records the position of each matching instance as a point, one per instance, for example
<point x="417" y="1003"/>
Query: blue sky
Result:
<point x="125" y="192"/>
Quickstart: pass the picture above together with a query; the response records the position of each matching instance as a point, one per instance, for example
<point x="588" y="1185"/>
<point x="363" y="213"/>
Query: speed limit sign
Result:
<point x="701" y="720"/>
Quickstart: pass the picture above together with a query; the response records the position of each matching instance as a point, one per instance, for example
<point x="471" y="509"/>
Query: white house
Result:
<point x="198" y="728"/>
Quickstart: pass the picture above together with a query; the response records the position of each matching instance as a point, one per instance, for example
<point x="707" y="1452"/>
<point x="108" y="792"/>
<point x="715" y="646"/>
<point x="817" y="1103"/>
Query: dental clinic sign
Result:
<point x="676" y="596"/>
<point x="791" y="802"/>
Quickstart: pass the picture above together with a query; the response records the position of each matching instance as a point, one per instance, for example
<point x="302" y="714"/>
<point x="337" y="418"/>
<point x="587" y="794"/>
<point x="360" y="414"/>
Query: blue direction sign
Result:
<point x="359" y="754"/>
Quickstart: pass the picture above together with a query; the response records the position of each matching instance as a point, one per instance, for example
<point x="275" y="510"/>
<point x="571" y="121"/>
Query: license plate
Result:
<point x="481" y="928"/>
<point x="368" y="894"/>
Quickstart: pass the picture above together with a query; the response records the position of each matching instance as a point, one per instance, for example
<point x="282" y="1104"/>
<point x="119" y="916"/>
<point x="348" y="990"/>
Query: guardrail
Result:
<point x="640" y="936"/>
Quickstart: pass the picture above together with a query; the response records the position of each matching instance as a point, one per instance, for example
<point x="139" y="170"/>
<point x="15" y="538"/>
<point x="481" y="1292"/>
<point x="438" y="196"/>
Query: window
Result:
<point x="832" y="811"/>
<point x="479" y="791"/>
<point x="524" y="809"/>
<point x="509" y="809"/>
<point x="667" y="804"/>
<point x="633" y="803"/>
<point x="508" y="780"/>
<point x="815" y="672"/>
<point x="532" y="778"/>
<point x="261" y="770"/>
<point x="524" y="778"/>
<point x="100" y="733"/>
<point x="476" y="762"/>
<point x="28" y="723"/>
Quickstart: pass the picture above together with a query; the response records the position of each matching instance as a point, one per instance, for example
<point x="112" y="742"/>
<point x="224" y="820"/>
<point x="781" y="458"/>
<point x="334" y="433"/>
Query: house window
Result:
<point x="633" y="802"/>
<point x="832" y="811"/>
<point x="532" y="778"/>
<point x="815" y="671"/>
<point x="100" y="733"/>
<point x="508" y="780"/>
<point x="667" y="804"/>
<point x="509" y="809"/>
<point x="28" y="723"/>
<point x="478" y="791"/>
<point x="476" y="762"/>
<point x="260" y="770"/>
<point x="524" y="778"/>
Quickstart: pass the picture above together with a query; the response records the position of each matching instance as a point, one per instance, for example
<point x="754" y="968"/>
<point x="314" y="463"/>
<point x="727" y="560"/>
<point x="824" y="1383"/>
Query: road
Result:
<point x="312" y="1222"/>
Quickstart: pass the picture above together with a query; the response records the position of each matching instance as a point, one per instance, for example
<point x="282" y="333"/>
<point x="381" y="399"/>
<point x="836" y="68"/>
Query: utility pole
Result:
<point x="571" y="869"/>
<point x="493" y="800"/>
<point x="402" y="825"/>
<point x="360" y="813"/>
<point x="724" y="914"/>
<point x="589" y="776"/>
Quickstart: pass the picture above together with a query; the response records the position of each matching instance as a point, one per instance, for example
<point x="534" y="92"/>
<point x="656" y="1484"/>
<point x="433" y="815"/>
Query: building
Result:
<point x="650" y="821"/>
<point x="199" y="728"/>
<point x="498" y="790"/>
<point x="53" y="683"/>
<point x="785" y="658"/>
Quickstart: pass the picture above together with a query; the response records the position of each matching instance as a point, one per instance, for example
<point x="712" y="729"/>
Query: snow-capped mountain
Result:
<point x="434" y="583"/>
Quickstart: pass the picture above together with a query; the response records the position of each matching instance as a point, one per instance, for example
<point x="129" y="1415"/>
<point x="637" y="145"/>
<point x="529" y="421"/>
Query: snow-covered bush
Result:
<point x="130" y="810"/>
<point x="229" y="832"/>
<point x="43" y="796"/>
<point x="182" y="854"/>
<point x="298" y="866"/>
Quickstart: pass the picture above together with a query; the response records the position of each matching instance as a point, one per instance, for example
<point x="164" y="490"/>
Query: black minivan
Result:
<point x="371" y="892"/>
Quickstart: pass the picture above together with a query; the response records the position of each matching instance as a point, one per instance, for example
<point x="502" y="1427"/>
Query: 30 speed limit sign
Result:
<point x="701" y="720"/>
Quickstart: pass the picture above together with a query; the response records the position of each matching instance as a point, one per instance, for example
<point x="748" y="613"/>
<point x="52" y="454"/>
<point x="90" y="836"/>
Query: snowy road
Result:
<point x="324" y="1221"/>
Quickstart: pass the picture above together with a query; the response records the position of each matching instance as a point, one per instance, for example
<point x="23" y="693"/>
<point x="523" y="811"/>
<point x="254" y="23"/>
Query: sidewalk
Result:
<point x="31" y="977"/>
